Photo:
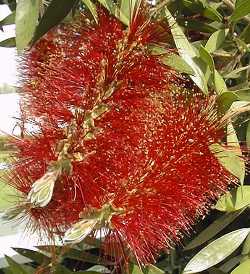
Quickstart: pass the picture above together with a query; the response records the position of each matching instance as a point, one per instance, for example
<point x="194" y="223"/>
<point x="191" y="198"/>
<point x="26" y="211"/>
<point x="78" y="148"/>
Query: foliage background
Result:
<point x="215" y="36"/>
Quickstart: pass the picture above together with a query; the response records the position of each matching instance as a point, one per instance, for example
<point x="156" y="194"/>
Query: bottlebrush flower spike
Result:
<point x="131" y="134"/>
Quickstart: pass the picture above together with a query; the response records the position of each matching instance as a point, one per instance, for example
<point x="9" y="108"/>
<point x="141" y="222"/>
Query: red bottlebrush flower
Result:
<point x="122" y="141"/>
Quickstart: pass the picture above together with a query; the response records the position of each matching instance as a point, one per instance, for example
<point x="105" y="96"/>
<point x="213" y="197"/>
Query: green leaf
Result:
<point x="60" y="269"/>
<point x="212" y="14"/>
<point x="8" y="43"/>
<point x="219" y="83"/>
<point x="8" y="20"/>
<point x="246" y="247"/>
<point x="243" y="94"/>
<point x="243" y="268"/>
<point x="187" y="52"/>
<point x="33" y="255"/>
<point x="135" y="269"/>
<point x="151" y="269"/>
<point x="75" y="254"/>
<point x="204" y="8"/>
<point x="213" y="229"/>
<point x="214" y="270"/>
<point x="11" y="4"/>
<point x="216" y="40"/>
<point x="15" y="267"/>
<point x="241" y="45"/>
<point x="242" y="8"/>
<point x="125" y="11"/>
<point x="231" y="263"/>
<point x="216" y="251"/>
<point x="225" y="100"/>
<point x="245" y="34"/>
<point x="234" y="200"/>
<point x="230" y="160"/>
<point x="7" y="271"/>
<point x="207" y="58"/>
<point x="172" y="60"/>
<point x="232" y="139"/>
<point x="98" y="269"/>
<point x="28" y="269"/>
<point x="27" y="12"/>
<point x="248" y="135"/>
<point x="235" y="73"/>
<point x="109" y="5"/>
<point x="54" y="14"/>
<point x="88" y="272"/>
<point x="196" y="25"/>
<point x="92" y="8"/>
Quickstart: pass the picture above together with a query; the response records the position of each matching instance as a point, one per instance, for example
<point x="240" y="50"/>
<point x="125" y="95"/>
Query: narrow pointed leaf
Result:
<point x="109" y="5"/>
<point x="232" y="139"/>
<point x="125" y="11"/>
<point x="243" y="94"/>
<point x="246" y="247"/>
<point x="216" y="40"/>
<point x="151" y="269"/>
<point x="75" y="254"/>
<point x="15" y="267"/>
<point x="176" y="62"/>
<point x="8" y="20"/>
<point x="35" y="256"/>
<point x="92" y="8"/>
<point x="212" y="13"/>
<point x="207" y="58"/>
<point x="225" y="100"/>
<point x="172" y="60"/>
<point x="230" y="160"/>
<point x="231" y="263"/>
<point x="26" y="18"/>
<point x="216" y="251"/>
<point x="213" y="229"/>
<point x="248" y="135"/>
<point x="54" y="14"/>
<point x="11" y="4"/>
<point x="60" y="269"/>
<point x="214" y="270"/>
<point x="220" y="85"/>
<point x="235" y="73"/>
<point x="187" y="52"/>
<point x="8" y="43"/>
<point x="234" y="200"/>
<point x="97" y="269"/>
<point x="242" y="8"/>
